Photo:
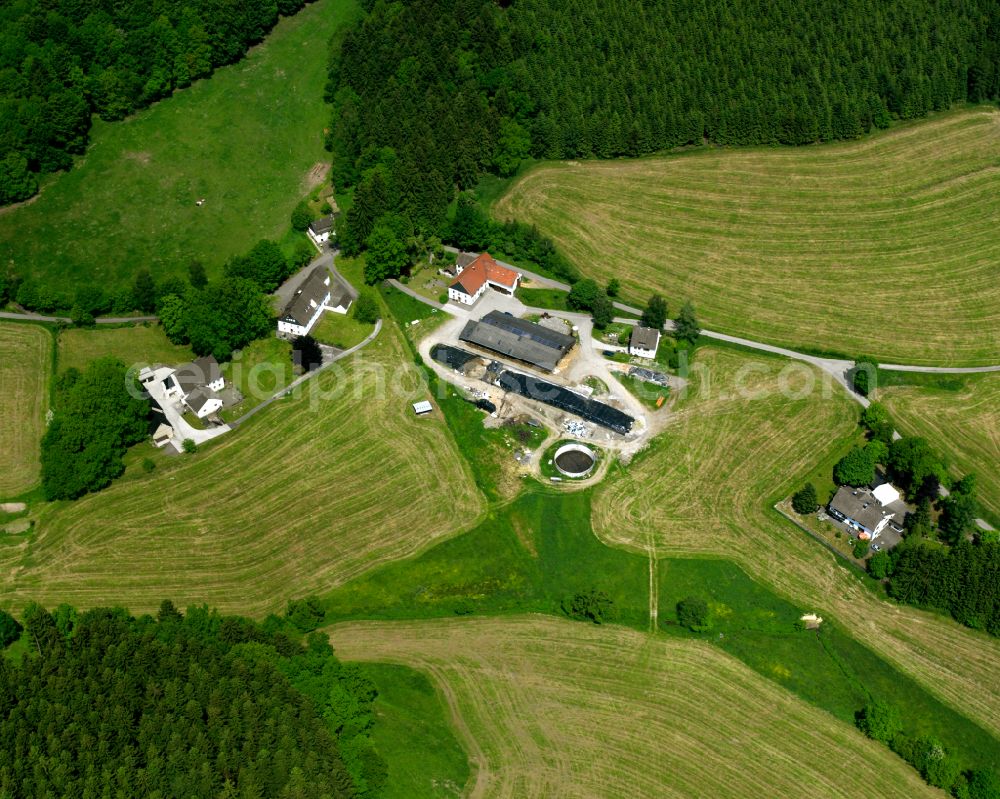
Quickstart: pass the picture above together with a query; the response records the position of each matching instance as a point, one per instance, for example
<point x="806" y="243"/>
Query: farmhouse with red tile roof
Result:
<point x="484" y="272"/>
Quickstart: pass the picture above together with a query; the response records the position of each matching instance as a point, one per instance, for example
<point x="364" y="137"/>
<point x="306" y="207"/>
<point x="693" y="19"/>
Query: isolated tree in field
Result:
<point x="693" y="614"/>
<point x="880" y="565"/>
<point x="144" y="291"/>
<point x="592" y="605"/>
<point x="805" y="500"/>
<point x="10" y="629"/>
<point x="655" y="315"/>
<point x="876" y="420"/>
<point x="880" y="721"/>
<point x="387" y="256"/>
<point x="686" y="325"/>
<point x="366" y="307"/>
<point x="602" y="311"/>
<point x="583" y="294"/>
<point x="196" y="274"/>
<point x="614" y="287"/>
<point x="863" y="376"/>
<point x="301" y="217"/>
<point x="306" y="353"/>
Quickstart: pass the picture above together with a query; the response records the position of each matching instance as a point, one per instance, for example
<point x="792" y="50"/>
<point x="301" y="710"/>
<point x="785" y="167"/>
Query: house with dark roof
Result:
<point x="644" y="342"/>
<point x="307" y="303"/>
<point x="197" y="384"/>
<point x="320" y="230"/>
<point x="518" y="339"/>
<point x="868" y="512"/>
<point x="477" y="275"/>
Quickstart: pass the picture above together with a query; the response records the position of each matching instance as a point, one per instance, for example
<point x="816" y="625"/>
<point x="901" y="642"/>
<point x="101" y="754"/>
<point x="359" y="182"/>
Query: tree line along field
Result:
<point x="963" y="423"/>
<point x="296" y="501"/>
<point x="738" y="444"/>
<point x="884" y="246"/>
<point x="547" y="707"/>
<point x="25" y="368"/>
<point x="245" y="140"/>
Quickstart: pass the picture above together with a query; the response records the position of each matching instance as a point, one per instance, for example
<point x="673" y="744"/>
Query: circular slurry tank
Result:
<point x="574" y="460"/>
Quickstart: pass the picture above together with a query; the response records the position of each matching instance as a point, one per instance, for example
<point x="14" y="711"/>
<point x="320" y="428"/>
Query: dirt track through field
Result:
<point x="553" y="708"/>
<point x="887" y="246"/>
<point x="735" y="446"/>
<point x="25" y="368"/>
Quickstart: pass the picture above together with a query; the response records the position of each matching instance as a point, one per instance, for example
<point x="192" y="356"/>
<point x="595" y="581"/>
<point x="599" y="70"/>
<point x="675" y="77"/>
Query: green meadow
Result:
<point x="248" y="140"/>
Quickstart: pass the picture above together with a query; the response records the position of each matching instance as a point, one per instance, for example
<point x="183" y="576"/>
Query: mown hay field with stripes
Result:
<point x="747" y="434"/>
<point x="549" y="707"/>
<point x="312" y="491"/>
<point x="963" y="425"/>
<point x="885" y="246"/>
<point x="25" y="367"/>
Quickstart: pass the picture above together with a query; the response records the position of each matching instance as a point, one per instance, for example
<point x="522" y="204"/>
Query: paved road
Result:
<point x="28" y="316"/>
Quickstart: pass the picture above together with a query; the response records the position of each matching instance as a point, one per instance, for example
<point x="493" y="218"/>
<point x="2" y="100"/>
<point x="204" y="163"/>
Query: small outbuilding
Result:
<point x="644" y="342"/>
<point x="422" y="407"/>
<point x="162" y="435"/>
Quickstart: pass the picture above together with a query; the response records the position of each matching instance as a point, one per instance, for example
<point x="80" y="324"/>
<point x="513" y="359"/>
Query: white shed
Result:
<point x="422" y="407"/>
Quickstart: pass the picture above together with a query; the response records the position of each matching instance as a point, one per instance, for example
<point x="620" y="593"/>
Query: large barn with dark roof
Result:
<point x="518" y="339"/>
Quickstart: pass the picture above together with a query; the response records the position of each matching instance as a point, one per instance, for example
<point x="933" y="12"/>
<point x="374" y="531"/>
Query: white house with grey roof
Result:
<point x="644" y="342"/>
<point x="867" y="512"/>
<point x="318" y="293"/>
<point x="197" y="384"/>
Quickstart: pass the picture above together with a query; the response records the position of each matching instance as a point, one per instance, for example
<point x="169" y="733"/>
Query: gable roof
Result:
<point x="310" y="295"/>
<point x="858" y="504"/>
<point x="519" y="339"/>
<point x="196" y="399"/>
<point x="645" y="338"/>
<point x="321" y="225"/>
<point x="481" y="269"/>
<point x="200" y="372"/>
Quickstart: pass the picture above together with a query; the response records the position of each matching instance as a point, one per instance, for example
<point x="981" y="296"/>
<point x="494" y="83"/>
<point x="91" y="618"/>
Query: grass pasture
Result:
<point x="555" y="708"/>
<point x="139" y="344"/>
<point x="885" y="246"/>
<point x="414" y="733"/>
<point x="25" y="368"/>
<point x="249" y="140"/>
<point x="317" y="489"/>
<point x="342" y="331"/>
<point x="962" y="424"/>
<point x="735" y="446"/>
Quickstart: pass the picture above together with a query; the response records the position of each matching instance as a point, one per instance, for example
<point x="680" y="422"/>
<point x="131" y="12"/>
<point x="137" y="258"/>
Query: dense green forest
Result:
<point x="194" y="705"/>
<point x="456" y="87"/>
<point x="63" y="60"/>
